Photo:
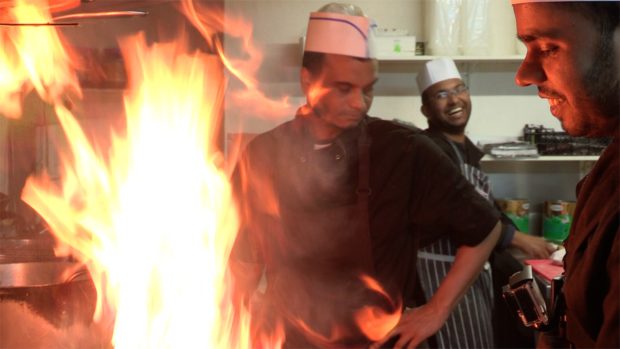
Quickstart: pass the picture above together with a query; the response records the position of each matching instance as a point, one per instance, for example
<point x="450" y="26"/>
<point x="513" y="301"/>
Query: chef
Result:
<point x="334" y="197"/>
<point x="572" y="58"/>
<point x="446" y="104"/>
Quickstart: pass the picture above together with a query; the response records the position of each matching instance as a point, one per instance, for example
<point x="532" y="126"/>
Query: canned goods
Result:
<point x="557" y="219"/>
<point x="518" y="211"/>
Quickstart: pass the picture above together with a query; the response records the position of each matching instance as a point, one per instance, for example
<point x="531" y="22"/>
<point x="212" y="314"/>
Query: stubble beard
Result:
<point x="602" y="83"/>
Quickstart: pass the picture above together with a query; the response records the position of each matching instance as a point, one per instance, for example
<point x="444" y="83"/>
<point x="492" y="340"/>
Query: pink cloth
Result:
<point x="545" y="268"/>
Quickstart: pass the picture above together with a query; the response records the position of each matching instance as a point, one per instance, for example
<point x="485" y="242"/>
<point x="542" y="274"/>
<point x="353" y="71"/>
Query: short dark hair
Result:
<point x="313" y="61"/>
<point x="605" y="15"/>
<point x="425" y="97"/>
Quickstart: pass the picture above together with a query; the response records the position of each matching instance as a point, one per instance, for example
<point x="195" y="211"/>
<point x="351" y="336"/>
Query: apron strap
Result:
<point x="364" y="191"/>
<point x="457" y="152"/>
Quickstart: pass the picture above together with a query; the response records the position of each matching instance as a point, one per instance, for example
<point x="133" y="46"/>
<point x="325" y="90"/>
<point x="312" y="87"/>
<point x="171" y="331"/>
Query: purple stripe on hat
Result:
<point x="343" y="21"/>
<point x="517" y="2"/>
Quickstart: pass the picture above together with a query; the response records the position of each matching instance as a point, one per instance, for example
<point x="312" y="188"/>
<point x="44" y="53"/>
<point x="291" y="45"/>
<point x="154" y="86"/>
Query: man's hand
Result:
<point x="532" y="246"/>
<point x="415" y="326"/>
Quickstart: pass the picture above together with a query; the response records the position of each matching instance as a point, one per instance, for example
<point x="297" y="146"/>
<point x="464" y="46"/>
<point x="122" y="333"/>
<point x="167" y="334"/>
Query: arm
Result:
<point x="422" y="322"/>
<point x="532" y="246"/>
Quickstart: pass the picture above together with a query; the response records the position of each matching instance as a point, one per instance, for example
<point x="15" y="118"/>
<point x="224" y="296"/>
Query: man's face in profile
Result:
<point x="572" y="65"/>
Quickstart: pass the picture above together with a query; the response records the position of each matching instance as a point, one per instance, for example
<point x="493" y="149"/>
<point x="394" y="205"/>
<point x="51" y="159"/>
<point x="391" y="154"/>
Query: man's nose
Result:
<point x="452" y="97"/>
<point x="530" y="72"/>
<point x="357" y="100"/>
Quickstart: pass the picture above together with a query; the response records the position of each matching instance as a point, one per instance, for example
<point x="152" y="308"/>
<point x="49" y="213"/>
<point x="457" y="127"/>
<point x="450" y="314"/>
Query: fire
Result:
<point x="249" y="100"/>
<point x="153" y="217"/>
<point x="375" y="322"/>
<point x="155" y="221"/>
<point x="28" y="52"/>
<point x="52" y="5"/>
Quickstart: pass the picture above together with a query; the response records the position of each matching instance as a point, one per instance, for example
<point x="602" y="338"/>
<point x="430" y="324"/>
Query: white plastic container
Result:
<point x="442" y="26"/>
<point x="475" y="28"/>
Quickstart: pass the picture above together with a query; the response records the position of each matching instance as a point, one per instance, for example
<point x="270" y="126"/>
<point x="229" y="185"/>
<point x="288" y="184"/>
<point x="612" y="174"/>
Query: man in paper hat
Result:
<point x="332" y="199"/>
<point x="446" y="104"/>
<point x="573" y="59"/>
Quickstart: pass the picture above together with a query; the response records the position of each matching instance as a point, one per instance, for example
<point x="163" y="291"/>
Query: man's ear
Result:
<point x="424" y="110"/>
<point x="305" y="79"/>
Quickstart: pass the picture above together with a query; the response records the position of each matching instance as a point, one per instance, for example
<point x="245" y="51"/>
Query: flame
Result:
<point x="375" y="322"/>
<point x="156" y="221"/>
<point x="250" y="100"/>
<point x="153" y="217"/>
<point x="28" y="52"/>
<point x="52" y="5"/>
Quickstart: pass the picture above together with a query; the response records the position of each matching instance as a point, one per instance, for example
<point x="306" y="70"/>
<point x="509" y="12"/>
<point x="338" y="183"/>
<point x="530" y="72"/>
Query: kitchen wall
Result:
<point x="500" y="108"/>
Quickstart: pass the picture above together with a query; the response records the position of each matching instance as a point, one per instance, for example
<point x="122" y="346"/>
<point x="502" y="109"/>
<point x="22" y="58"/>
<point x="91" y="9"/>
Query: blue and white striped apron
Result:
<point x="470" y="323"/>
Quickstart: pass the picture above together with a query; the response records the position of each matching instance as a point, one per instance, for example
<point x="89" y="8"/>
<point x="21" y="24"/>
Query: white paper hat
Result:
<point x="514" y="2"/>
<point x="340" y="34"/>
<point x="437" y="70"/>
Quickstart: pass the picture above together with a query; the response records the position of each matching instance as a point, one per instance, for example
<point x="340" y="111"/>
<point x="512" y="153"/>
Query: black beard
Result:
<point x="601" y="81"/>
<point x="443" y="127"/>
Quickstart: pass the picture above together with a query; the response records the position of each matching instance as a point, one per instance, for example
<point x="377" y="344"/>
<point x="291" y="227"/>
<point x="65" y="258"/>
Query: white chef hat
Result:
<point x="515" y="2"/>
<point x="340" y="34"/>
<point x="437" y="70"/>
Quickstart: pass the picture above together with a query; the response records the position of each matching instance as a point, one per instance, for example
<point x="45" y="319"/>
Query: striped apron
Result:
<point x="470" y="323"/>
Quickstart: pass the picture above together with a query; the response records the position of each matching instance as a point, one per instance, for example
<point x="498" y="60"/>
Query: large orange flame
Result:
<point x="33" y="57"/>
<point x="152" y="217"/>
<point x="52" y="5"/>
<point x="155" y="222"/>
<point x="250" y="100"/>
<point x="375" y="322"/>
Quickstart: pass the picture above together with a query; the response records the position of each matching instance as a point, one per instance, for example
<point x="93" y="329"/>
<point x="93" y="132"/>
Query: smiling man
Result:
<point x="573" y="58"/>
<point x="447" y="106"/>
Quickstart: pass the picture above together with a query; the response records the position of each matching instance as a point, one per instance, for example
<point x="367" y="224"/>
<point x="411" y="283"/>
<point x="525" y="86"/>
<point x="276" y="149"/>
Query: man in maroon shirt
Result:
<point x="572" y="58"/>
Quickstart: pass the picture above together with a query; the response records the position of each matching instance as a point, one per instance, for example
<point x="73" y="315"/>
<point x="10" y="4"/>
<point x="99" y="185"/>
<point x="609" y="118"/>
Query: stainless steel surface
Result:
<point x="100" y="15"/>
<point x="27" y="248"/>
<point x="48" y="24"/>
<point x="36" y="274"/>
<point x="58" y="20"/>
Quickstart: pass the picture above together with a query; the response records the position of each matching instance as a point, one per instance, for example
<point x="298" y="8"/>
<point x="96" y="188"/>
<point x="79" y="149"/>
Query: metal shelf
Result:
<point x="412" y="58"/>
<point x="545" y="158"/>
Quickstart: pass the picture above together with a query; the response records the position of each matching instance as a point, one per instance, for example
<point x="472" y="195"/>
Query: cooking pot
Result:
<point x="46" y="301"/>
<point x="56" y="313"/>
<point x="39" y="274"/>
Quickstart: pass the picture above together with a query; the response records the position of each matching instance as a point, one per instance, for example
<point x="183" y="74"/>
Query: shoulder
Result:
<point x="395" y="133"/>
<point x="473" y="152"/>
<point x="441" y="143"/>
<point x="436" y="137"/>
<point x="390" y="128"/>
<point x="272" y="138"/>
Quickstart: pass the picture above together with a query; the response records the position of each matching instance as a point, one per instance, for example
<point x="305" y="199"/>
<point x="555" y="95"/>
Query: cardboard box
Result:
<point x="395" y="46"/>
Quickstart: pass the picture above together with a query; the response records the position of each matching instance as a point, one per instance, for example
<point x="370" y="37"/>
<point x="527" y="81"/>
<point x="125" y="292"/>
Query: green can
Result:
<point x="557" y="219"/>
<point x="518" y="212"/>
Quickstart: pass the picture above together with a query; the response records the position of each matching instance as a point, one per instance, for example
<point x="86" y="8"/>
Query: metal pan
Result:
<point x="38" y="274"/>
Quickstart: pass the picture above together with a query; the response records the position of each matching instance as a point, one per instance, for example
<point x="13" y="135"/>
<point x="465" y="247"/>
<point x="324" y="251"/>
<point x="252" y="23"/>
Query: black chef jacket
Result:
<point x="592" y="262"/>
<point x="301" y="222"/>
